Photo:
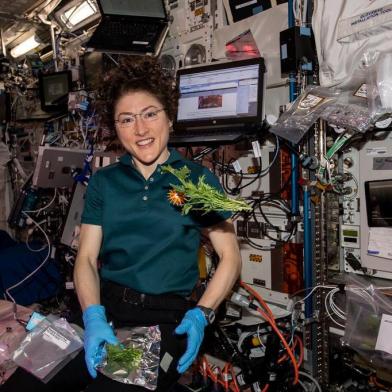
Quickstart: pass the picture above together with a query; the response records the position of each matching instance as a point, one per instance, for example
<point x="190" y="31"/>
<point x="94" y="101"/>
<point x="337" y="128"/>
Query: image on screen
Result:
<point x="219" y="94"/>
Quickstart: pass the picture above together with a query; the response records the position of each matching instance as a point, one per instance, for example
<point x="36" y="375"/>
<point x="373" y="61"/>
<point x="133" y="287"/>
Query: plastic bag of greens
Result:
<point x="136" y="360"/>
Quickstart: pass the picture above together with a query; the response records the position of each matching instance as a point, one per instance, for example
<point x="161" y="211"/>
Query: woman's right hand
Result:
<point x="97" y="332"/>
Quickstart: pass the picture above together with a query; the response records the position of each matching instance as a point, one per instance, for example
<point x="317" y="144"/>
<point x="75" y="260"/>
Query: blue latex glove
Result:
<point x="193" y="325"/>
<point x="97" y="332"/>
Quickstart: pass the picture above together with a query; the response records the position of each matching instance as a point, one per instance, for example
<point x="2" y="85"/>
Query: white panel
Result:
<point x="370" y="151"/>
<point x="252" y="269"/>
<point x="274" y="98"/>
<point x="265" y="28"/>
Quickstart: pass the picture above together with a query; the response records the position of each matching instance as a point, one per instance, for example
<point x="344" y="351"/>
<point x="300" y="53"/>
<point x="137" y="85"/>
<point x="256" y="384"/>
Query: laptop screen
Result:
<point x="229" y="93"/>
<point x="149" y="8"/>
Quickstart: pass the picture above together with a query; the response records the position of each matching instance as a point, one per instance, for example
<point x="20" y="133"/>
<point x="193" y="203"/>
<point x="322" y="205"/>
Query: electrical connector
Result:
<point x="241" y="300"/>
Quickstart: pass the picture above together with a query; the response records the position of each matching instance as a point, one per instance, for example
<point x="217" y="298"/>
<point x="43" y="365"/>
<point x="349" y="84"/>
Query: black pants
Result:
<point x="125" y="308"/>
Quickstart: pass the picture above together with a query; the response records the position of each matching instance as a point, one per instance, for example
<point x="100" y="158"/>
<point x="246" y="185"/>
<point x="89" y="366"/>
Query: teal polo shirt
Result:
<point x="148" y="245"/>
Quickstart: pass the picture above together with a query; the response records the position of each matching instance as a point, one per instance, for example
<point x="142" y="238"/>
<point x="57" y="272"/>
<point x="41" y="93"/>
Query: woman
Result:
<point x="147" y="249"/>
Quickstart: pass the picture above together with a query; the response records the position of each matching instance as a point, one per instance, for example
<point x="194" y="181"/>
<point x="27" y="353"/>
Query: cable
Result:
<point x="315" y="382"/>
<point x="44" y="207"/>
<point x="328" y="313"/>
<point x="8" y="289"/>
<point x="28" y="234"/>
<point x="268" y="316"/>
<point x="260" y="173"/>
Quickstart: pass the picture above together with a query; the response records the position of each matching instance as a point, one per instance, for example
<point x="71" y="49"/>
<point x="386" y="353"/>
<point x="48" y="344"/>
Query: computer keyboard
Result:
<point x="178" y="139"/>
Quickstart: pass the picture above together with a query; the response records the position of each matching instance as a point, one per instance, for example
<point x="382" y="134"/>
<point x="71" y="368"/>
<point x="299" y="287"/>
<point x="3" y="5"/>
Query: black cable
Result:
<point x="236" y="190"/>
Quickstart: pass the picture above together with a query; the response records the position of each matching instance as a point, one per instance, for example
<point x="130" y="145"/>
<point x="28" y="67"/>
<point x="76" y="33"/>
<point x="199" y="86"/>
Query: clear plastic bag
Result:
<point x="293" y="124"/>
<point x="351" y="116"/>
<point x="47" y="348"/>
<point x="368" y="321"/>
<point x="146" y="341"/>
<point x="379" y="85"/>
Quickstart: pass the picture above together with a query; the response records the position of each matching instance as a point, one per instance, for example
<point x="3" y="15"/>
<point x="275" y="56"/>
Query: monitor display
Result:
<point x="54" y="89"/>
<point x="378" y="203"/>
<point x="229" y="92"/>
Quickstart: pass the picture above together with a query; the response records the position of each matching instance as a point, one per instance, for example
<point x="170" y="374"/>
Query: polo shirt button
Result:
<point x="151" y="179"/>
<point x="146" y="187"/>
<point x="145" y="198"/>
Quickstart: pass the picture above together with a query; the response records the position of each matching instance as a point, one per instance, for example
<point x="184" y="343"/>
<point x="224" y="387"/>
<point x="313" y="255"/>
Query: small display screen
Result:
<point x="379" y="203"/>
<point x="349" y="239"/>
<point x="54" y="89"/>
<point x="351" y="233"/>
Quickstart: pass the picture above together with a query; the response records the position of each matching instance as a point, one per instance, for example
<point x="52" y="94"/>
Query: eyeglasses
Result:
<point x="128" y="120"/>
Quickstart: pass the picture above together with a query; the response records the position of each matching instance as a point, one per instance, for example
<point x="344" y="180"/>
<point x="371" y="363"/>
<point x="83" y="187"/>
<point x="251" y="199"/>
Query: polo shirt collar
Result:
<point x="174" y="156"/>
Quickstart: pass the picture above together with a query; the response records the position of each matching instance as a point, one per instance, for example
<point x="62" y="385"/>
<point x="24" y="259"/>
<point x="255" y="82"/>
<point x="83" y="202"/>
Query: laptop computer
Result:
<point x="219" y="103"/>
<point x="130" y="27"/>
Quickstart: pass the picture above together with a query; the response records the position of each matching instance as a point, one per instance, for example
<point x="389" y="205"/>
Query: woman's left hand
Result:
<point x="193" y="325"/>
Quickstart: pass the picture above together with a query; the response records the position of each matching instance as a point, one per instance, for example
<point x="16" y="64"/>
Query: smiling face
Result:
<point x="145" y="140"/>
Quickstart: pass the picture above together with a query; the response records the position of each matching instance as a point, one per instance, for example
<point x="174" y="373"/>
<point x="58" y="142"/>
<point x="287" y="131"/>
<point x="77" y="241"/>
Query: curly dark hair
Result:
<point x="135" y="73"/>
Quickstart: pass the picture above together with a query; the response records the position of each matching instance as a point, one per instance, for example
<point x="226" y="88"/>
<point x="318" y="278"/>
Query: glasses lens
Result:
<point x="150" y="115"/>
<point x="126" y="120"/>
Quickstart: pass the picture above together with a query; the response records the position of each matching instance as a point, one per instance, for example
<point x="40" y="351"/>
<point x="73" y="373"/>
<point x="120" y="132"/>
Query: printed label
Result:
<point x="376" y="151"/>
<point x="51" y="335"/>
<point x="237" y="166"/>
<point x="310" y="101"/>
<point x="361" y="91"/>
<point x="384" y="342"/>
<point x="256" y="149"/>
<point x="370" y="15"/>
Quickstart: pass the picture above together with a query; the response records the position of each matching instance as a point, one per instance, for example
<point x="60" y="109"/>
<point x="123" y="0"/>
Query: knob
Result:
<point x="348" y="162"/>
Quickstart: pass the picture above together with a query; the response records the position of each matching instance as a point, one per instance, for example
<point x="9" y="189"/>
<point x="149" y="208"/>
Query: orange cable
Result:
<point x="271" y="321"/>
<point x="258" y="297"/>
<point x="234" y="378"/>
<point x="265" y="389"/>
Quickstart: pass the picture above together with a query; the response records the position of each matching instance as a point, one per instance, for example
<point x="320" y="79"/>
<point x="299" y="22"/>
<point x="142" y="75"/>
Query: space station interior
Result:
<point x="287" y="104"/>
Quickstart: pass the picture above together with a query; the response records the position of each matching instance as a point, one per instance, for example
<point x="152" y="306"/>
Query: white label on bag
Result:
<point x="384" y="342"/>
<point x="310" y="101"/>
<point x="51" y="335"/>
<point x="361" y="91"/>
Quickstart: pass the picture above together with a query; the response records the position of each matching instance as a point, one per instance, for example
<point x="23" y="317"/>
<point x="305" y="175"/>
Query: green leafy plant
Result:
<point x="200" y="196"/>
<point x="122" y="358"/>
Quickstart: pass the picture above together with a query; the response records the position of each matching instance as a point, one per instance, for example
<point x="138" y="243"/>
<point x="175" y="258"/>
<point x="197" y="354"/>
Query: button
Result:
<point x="145" y="198"/>
<point x="146" y="187"/>
<point x="151" y="179"/>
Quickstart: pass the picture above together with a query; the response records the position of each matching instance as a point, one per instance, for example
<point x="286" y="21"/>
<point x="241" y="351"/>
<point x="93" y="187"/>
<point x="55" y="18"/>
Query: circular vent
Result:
<point x="196" y="54"/>
<point x="168" y="64"/>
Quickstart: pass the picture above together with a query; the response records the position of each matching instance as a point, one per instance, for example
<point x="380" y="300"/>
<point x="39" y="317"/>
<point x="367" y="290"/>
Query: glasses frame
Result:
<point x="134" y="115"/>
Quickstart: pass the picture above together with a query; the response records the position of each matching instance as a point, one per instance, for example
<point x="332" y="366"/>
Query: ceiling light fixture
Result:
<point x="76" y="13"/>
<point x="25" y="46"/>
